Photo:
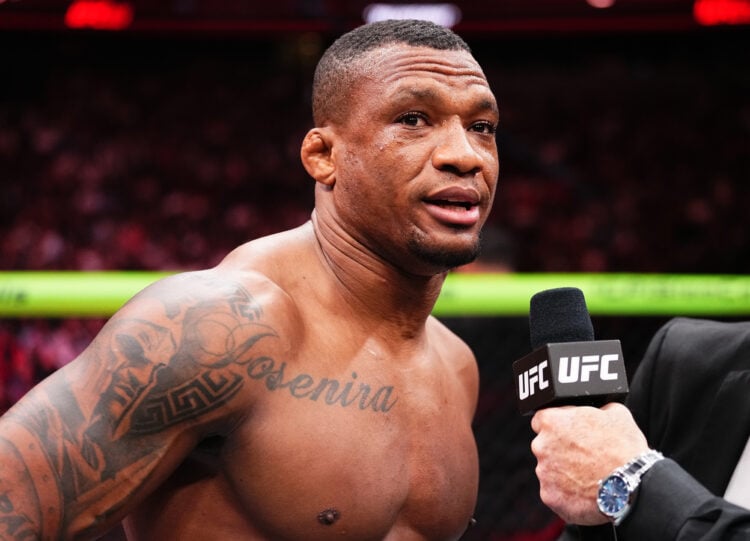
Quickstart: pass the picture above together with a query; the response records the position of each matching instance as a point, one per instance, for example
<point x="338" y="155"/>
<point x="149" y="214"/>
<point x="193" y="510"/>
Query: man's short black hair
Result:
<point x="337" y="70"/>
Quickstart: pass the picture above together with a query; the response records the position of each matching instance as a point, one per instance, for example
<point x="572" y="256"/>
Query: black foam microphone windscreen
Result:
<point x="567" y="366"/>
<point x="559" y="315"/>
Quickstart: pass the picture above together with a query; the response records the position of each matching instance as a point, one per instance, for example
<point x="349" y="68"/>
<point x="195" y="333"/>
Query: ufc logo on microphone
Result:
<point x="575" y="369"/>
<point x="532" y="380"/>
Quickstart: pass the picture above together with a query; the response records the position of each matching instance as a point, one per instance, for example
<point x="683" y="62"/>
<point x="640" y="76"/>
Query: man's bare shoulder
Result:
<point x="215" y="314"/>
<point x="449" y="340"/>
<point x="244" y="289"/>
<point x="274" y="256"/>
<point x="459" y="357"/>
<point x="253" y="278"/>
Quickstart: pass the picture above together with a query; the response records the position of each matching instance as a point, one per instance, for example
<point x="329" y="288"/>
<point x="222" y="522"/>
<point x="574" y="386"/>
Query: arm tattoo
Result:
<point x="149" y="378"/>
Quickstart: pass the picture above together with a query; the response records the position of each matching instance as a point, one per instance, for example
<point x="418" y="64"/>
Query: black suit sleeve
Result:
<point x="672" y="505"/>
<point x="689" y="396"/>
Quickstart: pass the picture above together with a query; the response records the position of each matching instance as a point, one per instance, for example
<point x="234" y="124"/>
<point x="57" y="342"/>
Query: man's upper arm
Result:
<point x="167" y="370"/>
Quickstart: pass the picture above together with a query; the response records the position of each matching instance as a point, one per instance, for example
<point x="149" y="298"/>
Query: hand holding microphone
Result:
<point x="575" y="446"/>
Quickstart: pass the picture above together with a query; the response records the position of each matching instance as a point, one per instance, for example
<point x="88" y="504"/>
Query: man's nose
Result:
<point x="454" y="152"/>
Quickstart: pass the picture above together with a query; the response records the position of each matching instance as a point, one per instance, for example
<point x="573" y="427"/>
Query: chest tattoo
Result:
<point x="330" y="391"/>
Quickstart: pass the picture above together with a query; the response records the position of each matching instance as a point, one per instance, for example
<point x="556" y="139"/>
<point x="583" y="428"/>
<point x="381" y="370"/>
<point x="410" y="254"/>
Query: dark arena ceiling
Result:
<point x="282" y="16"/>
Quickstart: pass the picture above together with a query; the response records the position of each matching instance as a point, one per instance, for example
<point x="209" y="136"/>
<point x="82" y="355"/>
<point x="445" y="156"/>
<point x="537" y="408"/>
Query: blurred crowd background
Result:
<point x="618" y="153"/>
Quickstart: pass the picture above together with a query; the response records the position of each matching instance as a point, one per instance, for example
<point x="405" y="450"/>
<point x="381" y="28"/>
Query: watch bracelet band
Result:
<point x="640" y="464"/>
<point x="633" y="471"/>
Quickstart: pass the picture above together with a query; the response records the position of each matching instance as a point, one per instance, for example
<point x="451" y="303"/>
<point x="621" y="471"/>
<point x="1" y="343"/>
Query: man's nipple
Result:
<point x="328" y="516"/>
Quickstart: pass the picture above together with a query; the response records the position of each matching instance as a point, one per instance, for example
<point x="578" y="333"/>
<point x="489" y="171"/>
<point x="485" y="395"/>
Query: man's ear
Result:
<point x="317" y="156"/>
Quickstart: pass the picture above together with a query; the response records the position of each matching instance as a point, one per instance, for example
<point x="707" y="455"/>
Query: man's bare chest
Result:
<point x="355" y="453"/>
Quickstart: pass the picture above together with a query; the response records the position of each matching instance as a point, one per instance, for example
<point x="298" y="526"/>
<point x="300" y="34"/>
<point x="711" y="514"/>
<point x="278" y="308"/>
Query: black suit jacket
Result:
<point x="691" y="397"/>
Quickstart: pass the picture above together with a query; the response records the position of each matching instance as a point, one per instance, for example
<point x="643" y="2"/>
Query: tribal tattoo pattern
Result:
<point x="151" y="376"/>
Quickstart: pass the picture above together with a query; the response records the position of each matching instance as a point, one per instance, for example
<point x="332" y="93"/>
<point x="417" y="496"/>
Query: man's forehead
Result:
<point x="401" y="73"/>
<point x="419" y="71"/>
<point x="393" y="63"/>
<point x="403" y="54"/>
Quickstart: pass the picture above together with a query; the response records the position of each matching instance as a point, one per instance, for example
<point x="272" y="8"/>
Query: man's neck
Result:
<point x="380" y="288"/>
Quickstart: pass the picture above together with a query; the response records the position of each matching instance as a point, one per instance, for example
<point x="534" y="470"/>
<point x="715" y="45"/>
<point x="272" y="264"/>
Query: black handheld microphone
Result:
<point x="567" y="366"/>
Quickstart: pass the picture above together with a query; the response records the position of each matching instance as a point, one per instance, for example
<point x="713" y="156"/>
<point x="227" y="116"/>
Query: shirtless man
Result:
<point x="300" y="390"/>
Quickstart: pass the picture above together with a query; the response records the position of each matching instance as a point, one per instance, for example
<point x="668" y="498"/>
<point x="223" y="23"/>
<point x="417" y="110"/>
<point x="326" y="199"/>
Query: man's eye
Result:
<point x="412" y="119"/>
<point x="484" y="127"/>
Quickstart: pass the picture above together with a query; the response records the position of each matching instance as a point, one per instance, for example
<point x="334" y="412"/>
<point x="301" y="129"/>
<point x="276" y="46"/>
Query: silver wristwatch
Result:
<point x="617" y="490"/>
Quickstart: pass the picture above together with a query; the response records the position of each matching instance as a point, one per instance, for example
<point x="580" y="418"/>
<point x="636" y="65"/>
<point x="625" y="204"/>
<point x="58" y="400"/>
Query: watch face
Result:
<point x="613" y="495"/>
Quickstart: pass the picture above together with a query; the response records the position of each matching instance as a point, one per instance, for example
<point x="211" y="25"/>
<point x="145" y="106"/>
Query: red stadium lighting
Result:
<point x="99" y="15"/>
<point x="714" y="12"/>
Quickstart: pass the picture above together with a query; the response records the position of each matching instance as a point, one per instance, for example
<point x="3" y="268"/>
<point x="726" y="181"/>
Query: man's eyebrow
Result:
<point x="403" y="96"/>
<point x="418" y="93"/>
<point x="489" y="105"/>
<point x="428" y="94"/>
